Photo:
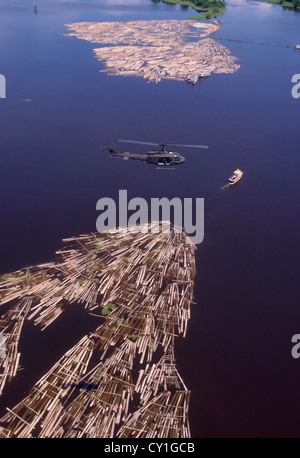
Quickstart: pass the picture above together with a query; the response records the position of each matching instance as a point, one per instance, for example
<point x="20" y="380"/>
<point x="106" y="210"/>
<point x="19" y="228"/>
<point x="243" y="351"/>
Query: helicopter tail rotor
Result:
<point x="114" y="153"/>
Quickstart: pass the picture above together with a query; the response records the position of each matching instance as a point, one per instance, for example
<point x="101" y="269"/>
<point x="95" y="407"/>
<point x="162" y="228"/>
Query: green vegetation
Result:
<point x="107" y="308"/>
<point x="119" y="324"/>
<point x="81" y="280"/>
<point x="132" y="337"/>
<point x="294" y="4"/>
<point x="152" y="345"/>
<point x="209" y="8"/>
<point x="95" y="267"/>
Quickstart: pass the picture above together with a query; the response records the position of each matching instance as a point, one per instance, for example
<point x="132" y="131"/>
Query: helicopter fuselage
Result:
<point x="159" y="157"/>
<point x="164" y="158"/>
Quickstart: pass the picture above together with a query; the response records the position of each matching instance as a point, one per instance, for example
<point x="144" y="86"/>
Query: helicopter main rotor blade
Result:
<point x="188" y="146"/>
<point x="138" y="142"/>
<point x="162" y="144"/>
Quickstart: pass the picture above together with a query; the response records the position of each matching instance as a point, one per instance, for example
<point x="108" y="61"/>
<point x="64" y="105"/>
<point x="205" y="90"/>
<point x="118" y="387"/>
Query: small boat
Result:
<point x="297" y="47"/>
<point x="235" y="177"/>
<point x="192" y="79"/>
<point x="204" y="74"/>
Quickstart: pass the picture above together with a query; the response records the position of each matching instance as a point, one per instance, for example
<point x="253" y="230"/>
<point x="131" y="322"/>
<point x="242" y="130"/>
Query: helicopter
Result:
<point x="161" y="157"/>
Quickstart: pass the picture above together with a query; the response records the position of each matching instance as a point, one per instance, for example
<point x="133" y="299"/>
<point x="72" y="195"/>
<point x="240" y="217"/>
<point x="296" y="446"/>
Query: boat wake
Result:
<point x="226" y="186"/>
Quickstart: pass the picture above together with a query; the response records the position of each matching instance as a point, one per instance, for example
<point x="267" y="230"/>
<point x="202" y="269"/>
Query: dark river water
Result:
<point x="236" y="358"/>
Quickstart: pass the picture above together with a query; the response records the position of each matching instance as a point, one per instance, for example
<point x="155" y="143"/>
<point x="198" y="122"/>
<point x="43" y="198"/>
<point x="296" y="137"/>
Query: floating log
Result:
<point x="156" y="50"/>
<point x="141" y="285"/>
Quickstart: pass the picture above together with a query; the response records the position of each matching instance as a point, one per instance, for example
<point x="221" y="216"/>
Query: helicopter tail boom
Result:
<point x="113" y="152"/>
<point x="116" y="154"/>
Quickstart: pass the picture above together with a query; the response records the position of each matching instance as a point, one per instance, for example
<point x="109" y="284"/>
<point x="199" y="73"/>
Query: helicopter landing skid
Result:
<point x="163" y="167"/>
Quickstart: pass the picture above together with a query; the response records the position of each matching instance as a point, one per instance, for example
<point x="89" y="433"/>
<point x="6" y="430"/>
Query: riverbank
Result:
<point x="294" y="4"/>
<point x="208" y="8"/>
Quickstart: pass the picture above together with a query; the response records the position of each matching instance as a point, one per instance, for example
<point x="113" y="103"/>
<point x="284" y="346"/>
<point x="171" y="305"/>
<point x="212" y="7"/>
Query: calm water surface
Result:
<point x="236" y="358"/>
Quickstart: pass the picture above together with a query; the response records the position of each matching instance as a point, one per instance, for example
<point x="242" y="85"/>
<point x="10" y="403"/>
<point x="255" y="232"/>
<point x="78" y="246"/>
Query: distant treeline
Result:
<point x="295" y="4"/>
<point x="209" y="8"/>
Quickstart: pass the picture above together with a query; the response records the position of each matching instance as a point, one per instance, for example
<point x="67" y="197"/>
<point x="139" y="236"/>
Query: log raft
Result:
<point x="156" y="50"/>
<point x="140" y="285"/>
